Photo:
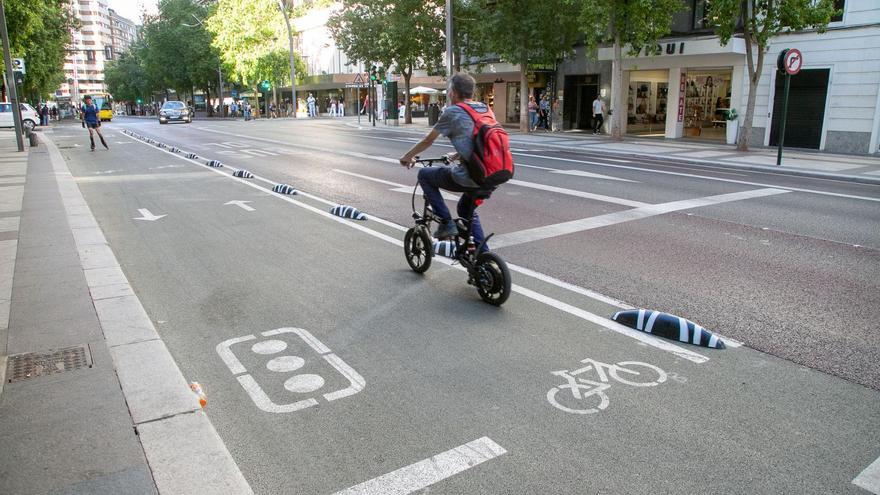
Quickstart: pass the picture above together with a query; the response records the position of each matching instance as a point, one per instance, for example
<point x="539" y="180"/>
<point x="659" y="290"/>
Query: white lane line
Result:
<point x="425" y="473"/>
<point x="401" y="188"/>
<point x="697" y="176"/>
<point x="581" y="173"/>
<point x="579" y="194"/>
<point x="531" y="185"/>
<point x="869" y="478"/>
<point x="241" y="204"/>
<point x="571" y="287"/>
<point x="586" y="315"/>
<point x="564" y="228"/>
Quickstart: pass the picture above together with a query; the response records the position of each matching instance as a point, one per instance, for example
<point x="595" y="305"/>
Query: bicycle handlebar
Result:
<point x="428" y="162"/>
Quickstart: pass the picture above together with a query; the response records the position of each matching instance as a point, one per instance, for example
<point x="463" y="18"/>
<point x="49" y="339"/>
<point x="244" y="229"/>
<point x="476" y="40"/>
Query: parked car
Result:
<point x="175" y="110"/>
<point x="29" y="117"/>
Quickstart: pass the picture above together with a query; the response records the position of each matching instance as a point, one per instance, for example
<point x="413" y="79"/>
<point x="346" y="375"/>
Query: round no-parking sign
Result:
<point x="793" y="61"/>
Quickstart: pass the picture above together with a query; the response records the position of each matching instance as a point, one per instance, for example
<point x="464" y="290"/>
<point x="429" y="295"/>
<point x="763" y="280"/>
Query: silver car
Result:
<point x="175" y="110"/>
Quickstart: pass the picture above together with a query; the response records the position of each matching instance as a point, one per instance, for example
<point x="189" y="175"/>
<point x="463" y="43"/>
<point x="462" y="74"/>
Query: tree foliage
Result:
<point x="405" y="34"/>
<point x="522" y="32"/>
<point x="39" y="32"/>
<point x="759" y="21"/>
<point x="126" y="77"/>
<point x="624" y="23"/>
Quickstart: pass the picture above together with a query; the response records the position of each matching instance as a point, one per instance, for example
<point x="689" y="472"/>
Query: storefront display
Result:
<point x="707" y="99"/>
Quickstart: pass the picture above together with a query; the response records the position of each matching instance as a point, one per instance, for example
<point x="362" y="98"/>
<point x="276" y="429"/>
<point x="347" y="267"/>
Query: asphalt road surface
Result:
<point x="330" y="365"/>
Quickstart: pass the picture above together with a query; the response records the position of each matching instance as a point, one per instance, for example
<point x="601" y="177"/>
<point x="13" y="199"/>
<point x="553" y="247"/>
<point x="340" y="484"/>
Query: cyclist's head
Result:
<point x="461" y="87"/>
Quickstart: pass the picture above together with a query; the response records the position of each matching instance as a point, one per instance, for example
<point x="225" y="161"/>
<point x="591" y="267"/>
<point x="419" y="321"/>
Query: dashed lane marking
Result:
<point x="401" y="188"/>
<point x="567" y="308"/>
<point x="869" y="478"/>
<point x="425" y="473"/>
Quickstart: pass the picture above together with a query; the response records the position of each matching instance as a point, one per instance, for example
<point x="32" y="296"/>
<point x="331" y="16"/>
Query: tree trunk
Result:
<point x="209" y="109"/>
<point x="755" y="70"/>
<point x="618" y="100"/>
<point x="256" y="106"/>
<point x="275" y="95"/>
<point x="524" y="94"/>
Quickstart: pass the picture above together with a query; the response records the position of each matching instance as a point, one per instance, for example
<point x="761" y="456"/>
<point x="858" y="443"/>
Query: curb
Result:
<point x="177" y="437"/>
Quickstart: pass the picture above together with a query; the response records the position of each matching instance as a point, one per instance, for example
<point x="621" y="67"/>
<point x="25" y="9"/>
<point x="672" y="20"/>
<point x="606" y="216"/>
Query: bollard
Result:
<point x="32" y="138"/>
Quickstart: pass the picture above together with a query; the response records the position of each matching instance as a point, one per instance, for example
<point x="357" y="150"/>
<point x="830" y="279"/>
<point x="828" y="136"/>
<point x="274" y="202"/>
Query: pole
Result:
<point x="10" y="80"/>
<point x="292" y="66"/>
<point x="448" y="38"/>
<point x="220" y="84"/>
<point x="784" y="118"/>
<point x="374" y="107"/>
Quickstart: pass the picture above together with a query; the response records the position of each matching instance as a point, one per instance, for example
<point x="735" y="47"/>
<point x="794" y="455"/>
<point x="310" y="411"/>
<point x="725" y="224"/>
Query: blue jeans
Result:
<point x="533" y="120"/>
<point x="432" y="179"/>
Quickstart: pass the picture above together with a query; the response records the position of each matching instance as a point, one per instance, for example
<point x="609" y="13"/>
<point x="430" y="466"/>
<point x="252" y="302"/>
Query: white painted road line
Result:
<point x="426" y="472"/>
<point x="401" y="188"/>
<point x="586" y="315"/>
<point x="579" y="194"/>
<point x="869" y="478"/>
<point x="564" y="228"/>
<point x="241" y="204"/>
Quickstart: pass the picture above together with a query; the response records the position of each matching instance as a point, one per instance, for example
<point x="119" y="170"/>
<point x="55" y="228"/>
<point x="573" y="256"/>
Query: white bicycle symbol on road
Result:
<point x="585" y="393"/>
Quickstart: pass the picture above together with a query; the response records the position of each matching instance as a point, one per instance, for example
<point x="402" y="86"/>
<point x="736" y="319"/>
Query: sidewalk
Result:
<point x="859" y="168"/>
<point x="90" y="399"/>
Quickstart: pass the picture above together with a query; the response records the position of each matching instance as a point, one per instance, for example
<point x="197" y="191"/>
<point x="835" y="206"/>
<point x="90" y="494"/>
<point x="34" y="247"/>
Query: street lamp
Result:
<point x="292" y="69"/>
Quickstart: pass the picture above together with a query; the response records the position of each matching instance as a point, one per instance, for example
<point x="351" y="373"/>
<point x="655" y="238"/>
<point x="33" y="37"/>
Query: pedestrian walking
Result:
<point x="533" y="114"/>
<point x="54" y="113"/>
<point x="544" y="108"/>
<point x="340" y="107"/>
<point x="44" y="115"/>
<point x="333" y="108"/>
<point x="90" y="121"/>
<point x="598" y="114"/>
<point x="311" y="105"/>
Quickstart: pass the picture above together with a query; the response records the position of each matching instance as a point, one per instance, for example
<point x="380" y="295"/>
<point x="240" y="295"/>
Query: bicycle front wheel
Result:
<point x="493" y="278"/>
<point x="418" y="249"/>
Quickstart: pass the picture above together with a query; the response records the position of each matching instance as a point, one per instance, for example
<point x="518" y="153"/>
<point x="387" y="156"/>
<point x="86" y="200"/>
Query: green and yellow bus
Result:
<point x="104" y="102"/>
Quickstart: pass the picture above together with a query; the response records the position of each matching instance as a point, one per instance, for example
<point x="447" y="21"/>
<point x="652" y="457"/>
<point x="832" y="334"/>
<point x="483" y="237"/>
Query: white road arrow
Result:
<point x="146" y="215"/>
<point x="241" y="204"/>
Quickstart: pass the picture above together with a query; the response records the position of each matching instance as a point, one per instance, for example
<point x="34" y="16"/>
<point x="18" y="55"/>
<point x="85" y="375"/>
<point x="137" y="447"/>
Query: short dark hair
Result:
<point x="463" y="84"/>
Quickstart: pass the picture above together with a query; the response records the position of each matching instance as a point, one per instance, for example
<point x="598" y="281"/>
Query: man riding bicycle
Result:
<point x="456" y="124"/>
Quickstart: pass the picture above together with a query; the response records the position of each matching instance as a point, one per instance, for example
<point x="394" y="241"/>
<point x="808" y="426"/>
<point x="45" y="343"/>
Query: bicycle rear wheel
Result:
<point x="493" y="278"/>
<point x="418" y="249"/>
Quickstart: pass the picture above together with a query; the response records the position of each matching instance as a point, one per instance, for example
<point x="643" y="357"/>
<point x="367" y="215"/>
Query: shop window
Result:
<point x="839" y="5"/>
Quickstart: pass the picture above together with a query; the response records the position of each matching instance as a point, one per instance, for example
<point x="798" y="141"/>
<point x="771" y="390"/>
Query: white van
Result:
<point x="29" y="116"/>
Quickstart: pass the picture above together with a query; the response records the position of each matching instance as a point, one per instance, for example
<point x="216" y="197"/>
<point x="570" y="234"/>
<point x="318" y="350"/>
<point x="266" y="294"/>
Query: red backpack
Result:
<point x="491" y="163"/>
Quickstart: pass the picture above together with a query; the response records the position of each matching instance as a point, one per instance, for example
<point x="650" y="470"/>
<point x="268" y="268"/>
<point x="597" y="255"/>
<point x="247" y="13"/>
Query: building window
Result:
<point x="838" y="6"/>
<point x="701" y="14"/>
<point x="90" y="55"/>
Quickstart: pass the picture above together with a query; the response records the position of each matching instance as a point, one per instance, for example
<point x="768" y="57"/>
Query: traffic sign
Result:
<point x="793" y="61"/>
<point x="358" y="80"/>
<point x="18" y="65"/>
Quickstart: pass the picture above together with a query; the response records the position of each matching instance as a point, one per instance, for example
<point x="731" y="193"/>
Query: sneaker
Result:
<point x="447" y="229"/>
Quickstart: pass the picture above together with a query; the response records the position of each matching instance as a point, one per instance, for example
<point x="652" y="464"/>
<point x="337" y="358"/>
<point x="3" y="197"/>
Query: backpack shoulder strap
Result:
<point x="476" y="116"/>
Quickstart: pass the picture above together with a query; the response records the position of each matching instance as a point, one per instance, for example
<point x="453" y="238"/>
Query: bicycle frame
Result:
<point x="464" y="238"/>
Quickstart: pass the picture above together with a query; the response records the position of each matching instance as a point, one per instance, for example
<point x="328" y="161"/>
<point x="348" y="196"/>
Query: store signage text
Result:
<point x="664" y="49"/>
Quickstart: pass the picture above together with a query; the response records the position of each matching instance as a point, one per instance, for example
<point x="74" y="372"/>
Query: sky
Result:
<point x="131" y="9"/>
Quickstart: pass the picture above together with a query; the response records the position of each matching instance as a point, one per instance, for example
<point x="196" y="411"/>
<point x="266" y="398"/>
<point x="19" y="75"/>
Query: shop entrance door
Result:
<point x="579" y="93"/>
<point x="646" y="102"/>
<point x="806" y="108"/>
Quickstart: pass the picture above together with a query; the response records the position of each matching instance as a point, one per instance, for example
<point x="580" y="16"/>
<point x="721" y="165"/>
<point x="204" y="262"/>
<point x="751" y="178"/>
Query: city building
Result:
<point x="92" y="45"/>
<point x="123" y="32"/>
<point x="687" y="89"/>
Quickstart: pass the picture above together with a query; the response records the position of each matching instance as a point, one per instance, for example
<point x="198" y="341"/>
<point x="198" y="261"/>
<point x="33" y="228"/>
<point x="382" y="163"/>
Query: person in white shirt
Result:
<point x="598" y="114"/>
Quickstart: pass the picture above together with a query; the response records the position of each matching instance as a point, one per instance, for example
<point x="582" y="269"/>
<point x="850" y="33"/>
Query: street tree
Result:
<point x="126" y="77"/>
<point x="635" y="24"/>
<point x="245" y="34"/>
<point x="523" y="32"/>
<point x="405" y="34"/>
<point x="759" y="21"/>
<point x="39" y="31"/>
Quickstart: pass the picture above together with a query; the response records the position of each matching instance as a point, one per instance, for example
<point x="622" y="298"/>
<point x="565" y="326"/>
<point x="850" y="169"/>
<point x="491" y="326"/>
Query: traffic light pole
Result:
<point x="10" y="80"/>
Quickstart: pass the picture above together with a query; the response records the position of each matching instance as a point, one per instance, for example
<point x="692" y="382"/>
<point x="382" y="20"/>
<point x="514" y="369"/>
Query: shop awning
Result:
<point x="423" y="90"/>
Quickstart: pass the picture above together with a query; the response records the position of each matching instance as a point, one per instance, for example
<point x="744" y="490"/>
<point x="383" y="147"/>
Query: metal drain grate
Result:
<point x="31" y="365"/>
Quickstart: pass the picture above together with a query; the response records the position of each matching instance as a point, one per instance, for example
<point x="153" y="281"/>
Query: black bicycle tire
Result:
<point x="505" y="282"/>
<point x="408" y="238"/>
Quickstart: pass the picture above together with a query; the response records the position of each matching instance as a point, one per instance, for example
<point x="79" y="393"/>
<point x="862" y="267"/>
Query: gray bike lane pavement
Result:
<point x="434" y="368"/>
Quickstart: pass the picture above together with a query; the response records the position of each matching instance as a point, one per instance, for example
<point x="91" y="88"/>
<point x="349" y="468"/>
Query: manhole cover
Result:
<point x="26" y="366"/>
